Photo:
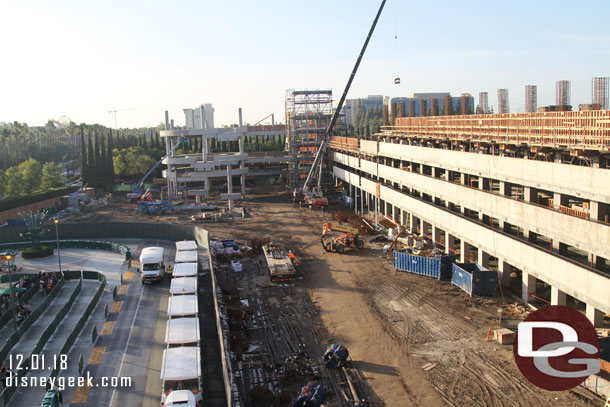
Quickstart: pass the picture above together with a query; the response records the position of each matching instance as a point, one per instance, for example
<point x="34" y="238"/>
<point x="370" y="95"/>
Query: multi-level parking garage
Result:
<point x="526" y="194"/>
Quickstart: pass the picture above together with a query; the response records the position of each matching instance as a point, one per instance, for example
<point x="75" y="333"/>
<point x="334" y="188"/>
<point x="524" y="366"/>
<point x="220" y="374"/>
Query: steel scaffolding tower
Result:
<point x="308" y="114"/>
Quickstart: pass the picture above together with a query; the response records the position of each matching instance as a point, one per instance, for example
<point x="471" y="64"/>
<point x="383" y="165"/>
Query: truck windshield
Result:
<point x="151" y="267"/>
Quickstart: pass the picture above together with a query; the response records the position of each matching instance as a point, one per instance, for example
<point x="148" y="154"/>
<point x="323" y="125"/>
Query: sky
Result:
<point x="83" y="59"/>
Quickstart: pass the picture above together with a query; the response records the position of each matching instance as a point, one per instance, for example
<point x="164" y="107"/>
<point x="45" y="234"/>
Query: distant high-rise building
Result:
<point x="484" y="102"/>
<point x="531" y="98"/>
<point x="428" y="104"/>
<point x="562" y="93"/>
<point x="201" y="117"/>
<point x="599" y="90"/>
<point x="503" y="106"/>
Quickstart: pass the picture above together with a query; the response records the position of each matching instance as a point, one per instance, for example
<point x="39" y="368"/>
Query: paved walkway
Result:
<point x="32" y="396"/>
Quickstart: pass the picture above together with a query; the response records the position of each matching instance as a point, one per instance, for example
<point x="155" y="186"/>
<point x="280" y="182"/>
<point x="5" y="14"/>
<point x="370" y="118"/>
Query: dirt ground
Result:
<point x="417" y="341"/>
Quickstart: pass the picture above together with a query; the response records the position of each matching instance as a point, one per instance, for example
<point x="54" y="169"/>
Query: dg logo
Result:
<point x="556" y="348"/>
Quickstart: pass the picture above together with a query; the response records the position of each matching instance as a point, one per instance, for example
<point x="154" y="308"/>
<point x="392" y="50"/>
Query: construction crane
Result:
<point x="137" y="192"/>
<point x="314" y="196"/>
<point x="114" y="111"/>
<point x="266" y="117"/>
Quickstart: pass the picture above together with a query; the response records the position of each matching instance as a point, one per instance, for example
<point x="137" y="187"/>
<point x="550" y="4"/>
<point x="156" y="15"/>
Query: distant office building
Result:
<point x="503" y="106"/>
<point x="562" y="93"/>
<point x="483" y="102"/>
<point x="432" y="104"/>
<point x="531" y="98"/>
<point x="372" y="104"/>
<point x="201" y="117"/>
<point x="599" y="91"/>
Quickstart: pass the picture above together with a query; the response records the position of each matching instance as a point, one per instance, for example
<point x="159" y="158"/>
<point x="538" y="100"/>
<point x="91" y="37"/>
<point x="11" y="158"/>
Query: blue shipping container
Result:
<point x="435" y="267"/>
<point x="474" y="279"/>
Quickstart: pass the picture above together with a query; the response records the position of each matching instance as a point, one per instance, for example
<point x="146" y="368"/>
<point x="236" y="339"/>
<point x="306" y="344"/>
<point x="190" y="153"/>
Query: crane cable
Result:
<point x="396" y="65"/>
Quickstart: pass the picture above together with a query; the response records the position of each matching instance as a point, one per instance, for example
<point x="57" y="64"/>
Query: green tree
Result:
<point x="110" y="163"/>
<point x="14" y="182"/>
<point x="90" y="162"/>
<point x="97" y="166"/>
<point x="103" y="167"/>
<point x="83" y="156"/>
<point x="51" y="176"/>
<point x="2" y="183"/>
<point x="31" y="172"/>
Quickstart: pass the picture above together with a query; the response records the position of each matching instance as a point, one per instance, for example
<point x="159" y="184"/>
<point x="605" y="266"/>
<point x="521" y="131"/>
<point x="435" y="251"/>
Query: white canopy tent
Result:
<point x="183" y="285"/>
<point x="180" y="331"/>
<point x="185" y="270"/>
<point x="182" y="305"/>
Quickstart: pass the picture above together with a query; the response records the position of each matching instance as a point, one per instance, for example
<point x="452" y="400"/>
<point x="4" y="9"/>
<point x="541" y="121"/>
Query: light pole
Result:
<point x="57" y="238"/>
<point x="8" y="258"/>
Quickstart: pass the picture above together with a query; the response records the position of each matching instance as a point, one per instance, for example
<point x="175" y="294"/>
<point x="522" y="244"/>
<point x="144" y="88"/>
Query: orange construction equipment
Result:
<point x="347" y="239"/>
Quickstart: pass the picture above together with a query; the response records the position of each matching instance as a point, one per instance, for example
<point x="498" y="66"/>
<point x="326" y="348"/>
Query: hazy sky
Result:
<point x="84" y="58"/>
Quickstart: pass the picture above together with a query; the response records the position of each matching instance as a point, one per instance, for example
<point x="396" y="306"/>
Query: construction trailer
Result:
<point x="280" y="263"/>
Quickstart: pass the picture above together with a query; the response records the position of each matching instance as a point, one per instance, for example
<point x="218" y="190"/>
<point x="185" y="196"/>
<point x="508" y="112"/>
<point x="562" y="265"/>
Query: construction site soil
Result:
<point x="413" y="340"/>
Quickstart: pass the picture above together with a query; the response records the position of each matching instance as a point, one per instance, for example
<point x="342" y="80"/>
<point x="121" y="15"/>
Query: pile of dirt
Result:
<point x="347" y="216"/>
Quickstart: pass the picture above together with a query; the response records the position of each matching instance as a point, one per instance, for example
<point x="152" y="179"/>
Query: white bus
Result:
<point x="182" y="306"/>
<point x="152" y="264"/>
<point x="183" y="286"/>
<point x="182" y="332"/>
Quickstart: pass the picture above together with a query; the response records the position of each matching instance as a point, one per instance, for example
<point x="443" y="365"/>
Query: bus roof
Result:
<point x="151" y="255"/>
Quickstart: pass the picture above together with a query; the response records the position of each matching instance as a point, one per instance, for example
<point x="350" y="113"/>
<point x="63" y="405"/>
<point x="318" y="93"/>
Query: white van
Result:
<point x="152" y="264"/>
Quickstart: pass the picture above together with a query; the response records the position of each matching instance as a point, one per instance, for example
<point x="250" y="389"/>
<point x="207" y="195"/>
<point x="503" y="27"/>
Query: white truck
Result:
<point x="152" y="264"/>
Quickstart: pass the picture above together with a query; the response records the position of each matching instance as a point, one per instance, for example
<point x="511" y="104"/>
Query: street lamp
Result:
<point x="10" y="281"/>
<point x="57" y="238"/>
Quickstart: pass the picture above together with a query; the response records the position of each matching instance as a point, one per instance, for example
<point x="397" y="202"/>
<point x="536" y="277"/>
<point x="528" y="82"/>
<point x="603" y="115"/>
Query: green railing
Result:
<point x="8" y="315"/>
<point x="88" y="275"/>
<point x="14" y="338"/>
<point x="74" y="244"/>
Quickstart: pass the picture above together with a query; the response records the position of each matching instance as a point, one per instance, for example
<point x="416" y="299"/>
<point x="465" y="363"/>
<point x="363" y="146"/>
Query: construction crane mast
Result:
<point x="316" y="166"/>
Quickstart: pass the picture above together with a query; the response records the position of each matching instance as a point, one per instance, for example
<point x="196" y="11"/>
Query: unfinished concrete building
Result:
<point x="308" y="113"/>
<point x="531" y="98"/>
<point x="483" y="103"/>
<point x="562" y="93"/>
<point x="192" y="174"/>
<point x="599" y="92"/>
<point x="503" y="106"/>
<point x="525" y="194"/>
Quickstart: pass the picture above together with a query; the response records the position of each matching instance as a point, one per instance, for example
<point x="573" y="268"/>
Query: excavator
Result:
<point x="349" y="238"/>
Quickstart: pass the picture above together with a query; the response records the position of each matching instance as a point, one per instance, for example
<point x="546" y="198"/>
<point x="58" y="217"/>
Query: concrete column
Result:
<point x="594" y="210"/>
<point x="229" y="186"/>
<point x="463" y="179"/>
<point x="559" y="247"/>
<point x="558" y="297"/>
<point x="560" y="199"/>
<point x="504" y="188"/>
<point x="362" y="202"/>
<point x="532" y="237"/>
<point x="464" y="247"/>
<point x="528" y="286"/>
<point x="526" y="194"/>
<point x="206" y="187"/>
<point x="436" y="235"/>
<point x="483" y="258"/>
<point x="449" y="243"/>
<point x="596" y="317"/>
<point x="504" y="271"/>
<point x="204" y="148"/>
<point x="242" y="163"/>
<point x="412" y="224"/>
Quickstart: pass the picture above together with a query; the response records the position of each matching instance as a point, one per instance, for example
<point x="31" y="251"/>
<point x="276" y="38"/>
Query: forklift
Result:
<point x="349" y="238"/>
